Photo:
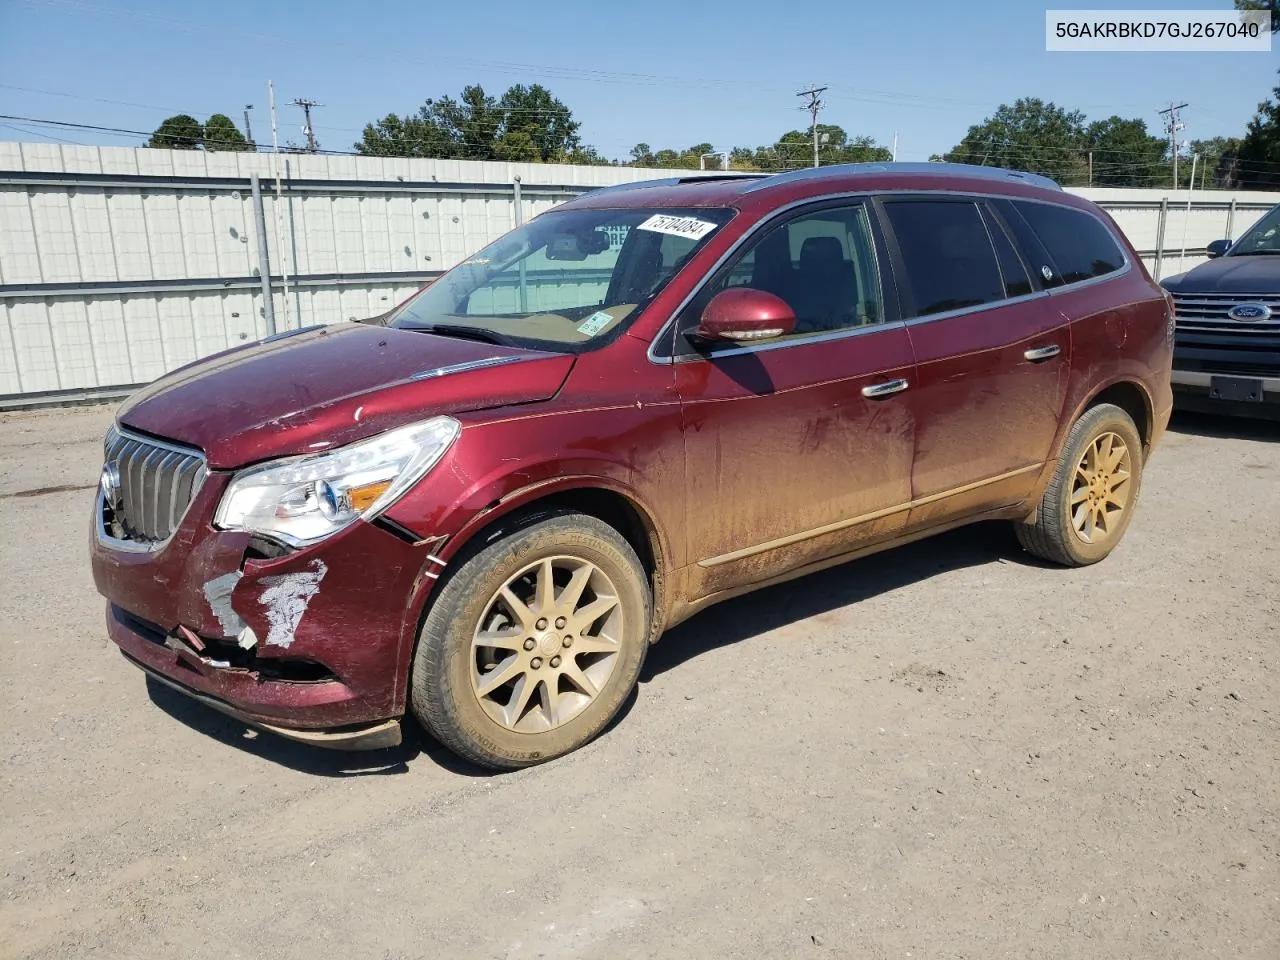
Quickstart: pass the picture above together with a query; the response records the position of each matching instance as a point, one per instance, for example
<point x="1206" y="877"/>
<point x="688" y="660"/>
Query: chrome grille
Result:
<point x="157" y="482"/>
<point x="1207" y="312"/>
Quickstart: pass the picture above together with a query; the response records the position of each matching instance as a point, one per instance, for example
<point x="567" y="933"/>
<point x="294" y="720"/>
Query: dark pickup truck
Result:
<point x="1227" y="349"/>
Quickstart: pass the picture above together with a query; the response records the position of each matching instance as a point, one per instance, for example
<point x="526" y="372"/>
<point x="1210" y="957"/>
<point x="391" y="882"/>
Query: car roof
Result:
<point x="741" y="189"/>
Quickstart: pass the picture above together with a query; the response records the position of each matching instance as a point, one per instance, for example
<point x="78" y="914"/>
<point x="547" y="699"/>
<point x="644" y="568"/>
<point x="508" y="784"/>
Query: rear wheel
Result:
<point x="1089" y="502"/>
<point x="534" y="644"/>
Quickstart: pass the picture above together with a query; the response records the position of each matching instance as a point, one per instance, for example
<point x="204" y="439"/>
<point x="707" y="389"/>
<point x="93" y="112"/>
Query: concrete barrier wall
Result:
<point x="118" y="264"/>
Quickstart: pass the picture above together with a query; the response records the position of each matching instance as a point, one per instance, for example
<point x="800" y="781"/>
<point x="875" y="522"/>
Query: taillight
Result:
<point x="1171" y="313"/>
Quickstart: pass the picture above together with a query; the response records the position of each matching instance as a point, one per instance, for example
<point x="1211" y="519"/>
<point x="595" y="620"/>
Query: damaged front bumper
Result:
<point x="313" y="644"/>
<point x="375" y="736"/>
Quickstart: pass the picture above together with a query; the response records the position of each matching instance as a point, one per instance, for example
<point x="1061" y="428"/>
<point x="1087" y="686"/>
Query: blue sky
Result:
<point x="666" y="73"/>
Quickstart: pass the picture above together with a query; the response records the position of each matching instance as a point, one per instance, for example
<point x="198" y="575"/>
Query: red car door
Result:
<point x="992" y="356"/>
<point x="799" y="448"/>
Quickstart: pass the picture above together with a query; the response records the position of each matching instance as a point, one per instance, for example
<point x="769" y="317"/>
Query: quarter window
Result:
<point x="946" y="253"/>
<point x="1081" y="247"/>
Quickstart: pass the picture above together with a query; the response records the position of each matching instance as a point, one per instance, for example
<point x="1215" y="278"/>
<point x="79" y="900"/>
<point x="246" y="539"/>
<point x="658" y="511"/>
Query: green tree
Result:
<point x="179" y="132"/>
<point x="221" y="134"/>
<point x="1259" y="156"/>
<point x="690" y="158"/>
<point x="1030" y="135"/>
<point x="525" y="124"/>
<point x="546" y="121"/>
<point x="1272" y="5"/>
<point x="791" y="150"/>
<point x="473" y="122"/>
<point x="1218" y="159"/>
<point x="516" y="146"/>
<point x="1124" y="153"/>
<point x="795" y="149"/>
<point x="413" y="135"/>
<point x="584" y="155"/>
<point x="642" y="155"/>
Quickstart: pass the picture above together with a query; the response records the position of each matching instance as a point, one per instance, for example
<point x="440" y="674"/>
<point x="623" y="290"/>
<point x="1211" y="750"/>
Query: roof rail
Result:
<point x="677" y="181"/>
<point x="919" y="169"/>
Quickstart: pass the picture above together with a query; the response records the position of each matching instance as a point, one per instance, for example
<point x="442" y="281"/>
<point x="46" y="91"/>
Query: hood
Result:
<point x="1229" y="275"/>
<point x="328" y="386"/>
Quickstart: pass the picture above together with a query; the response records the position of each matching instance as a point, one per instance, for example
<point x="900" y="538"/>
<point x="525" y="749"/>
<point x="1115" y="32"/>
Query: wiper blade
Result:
<point x="463" y="333"/>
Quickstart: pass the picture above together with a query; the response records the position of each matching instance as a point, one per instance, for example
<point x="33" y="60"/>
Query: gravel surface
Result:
<point x="942" y="751"/>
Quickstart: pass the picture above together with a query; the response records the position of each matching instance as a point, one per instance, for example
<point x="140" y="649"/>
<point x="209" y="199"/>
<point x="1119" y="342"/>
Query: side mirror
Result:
<point x="1217" y="248"/>
<point x="743" y="314"/>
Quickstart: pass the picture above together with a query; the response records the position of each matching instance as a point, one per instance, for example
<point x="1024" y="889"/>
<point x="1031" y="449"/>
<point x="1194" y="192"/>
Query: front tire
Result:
<point x="1089" y="502"/>
<point x="534" y="643"/>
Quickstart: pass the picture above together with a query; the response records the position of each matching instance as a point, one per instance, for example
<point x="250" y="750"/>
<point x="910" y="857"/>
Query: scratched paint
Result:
<point x="285" y="600"/>
<point x="218" y="594"/>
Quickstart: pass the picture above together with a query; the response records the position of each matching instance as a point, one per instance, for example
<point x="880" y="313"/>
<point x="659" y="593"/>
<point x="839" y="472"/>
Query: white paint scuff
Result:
<point x="218" y="593"/>
<point x="285" y="600"/>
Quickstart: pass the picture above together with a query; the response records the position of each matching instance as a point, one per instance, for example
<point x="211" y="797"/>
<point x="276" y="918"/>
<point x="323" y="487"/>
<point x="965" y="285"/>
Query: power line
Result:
<point x="559" y="71"/>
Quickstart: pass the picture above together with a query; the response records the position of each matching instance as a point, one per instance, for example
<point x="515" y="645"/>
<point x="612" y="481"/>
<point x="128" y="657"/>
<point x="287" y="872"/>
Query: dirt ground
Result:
<point x="944" y="751"/>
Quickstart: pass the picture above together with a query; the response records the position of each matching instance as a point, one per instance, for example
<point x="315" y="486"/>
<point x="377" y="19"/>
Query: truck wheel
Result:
<point x="534" y="643"/>
<point x="1090" y="500"/>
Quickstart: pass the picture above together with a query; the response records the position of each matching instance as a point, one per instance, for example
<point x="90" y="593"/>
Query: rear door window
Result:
<point x="946" y="255"/>
<point x="1079" y="244"/>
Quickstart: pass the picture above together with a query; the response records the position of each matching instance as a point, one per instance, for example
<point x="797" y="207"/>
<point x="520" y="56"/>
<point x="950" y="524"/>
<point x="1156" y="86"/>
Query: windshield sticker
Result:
<point x="690" y="227"/>
<point x="595" y="323"/>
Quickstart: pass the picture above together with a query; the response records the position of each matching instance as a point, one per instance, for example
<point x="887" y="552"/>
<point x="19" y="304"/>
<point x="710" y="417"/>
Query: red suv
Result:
<point x="483" y="508"/>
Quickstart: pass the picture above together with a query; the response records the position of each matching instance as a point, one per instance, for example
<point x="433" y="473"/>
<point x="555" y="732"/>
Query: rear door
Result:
<point x="992" y="356"/>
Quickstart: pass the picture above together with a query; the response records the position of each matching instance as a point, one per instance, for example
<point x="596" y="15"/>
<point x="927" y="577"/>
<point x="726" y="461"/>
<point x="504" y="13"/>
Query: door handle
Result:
<point x="890" y="387"/>
<point x="1042" y="353"/>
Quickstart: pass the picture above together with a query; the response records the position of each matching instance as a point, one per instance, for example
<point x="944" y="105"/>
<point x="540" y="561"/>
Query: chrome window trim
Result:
<point x="137" y="546"/>
<point x="669" y="324"/>
<point x="964" y="311"/>
<point x="799" y="341"/>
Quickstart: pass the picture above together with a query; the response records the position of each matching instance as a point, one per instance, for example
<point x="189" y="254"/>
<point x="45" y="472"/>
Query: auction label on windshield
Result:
<point x="1119" y="31"/>
<point x="690" y="227"/>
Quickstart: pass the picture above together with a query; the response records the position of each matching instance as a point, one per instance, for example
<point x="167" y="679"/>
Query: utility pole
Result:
<point x="813" y="106"/>
<point x="306" y="106"/>
<point x="248" y="131"/>
<point x="1172" y="127"/>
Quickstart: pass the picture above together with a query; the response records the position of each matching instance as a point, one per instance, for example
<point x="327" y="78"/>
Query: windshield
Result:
<point x="564" y="280"/>
<point x="1264" y="237"/>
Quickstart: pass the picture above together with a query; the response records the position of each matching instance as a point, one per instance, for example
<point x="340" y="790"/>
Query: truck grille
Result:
<point x="154" y="485"/>
<point x="1207" y="312"/>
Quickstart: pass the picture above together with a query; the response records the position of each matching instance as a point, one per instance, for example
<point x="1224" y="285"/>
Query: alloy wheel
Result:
<point x="546" y="644"/>
<point x="1101" y="488"/>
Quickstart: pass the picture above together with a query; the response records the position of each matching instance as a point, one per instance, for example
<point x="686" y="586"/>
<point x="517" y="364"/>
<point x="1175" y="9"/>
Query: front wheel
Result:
<point x="1089" y="502"/>
<point x="534" y="643"/>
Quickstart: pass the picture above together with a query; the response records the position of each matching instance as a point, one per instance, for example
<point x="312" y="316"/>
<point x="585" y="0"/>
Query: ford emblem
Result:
<point x="1250" y="312"/>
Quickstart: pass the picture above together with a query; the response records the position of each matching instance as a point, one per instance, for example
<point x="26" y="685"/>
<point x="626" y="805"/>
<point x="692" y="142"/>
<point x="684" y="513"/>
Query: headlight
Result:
<point x="305" y="499"/>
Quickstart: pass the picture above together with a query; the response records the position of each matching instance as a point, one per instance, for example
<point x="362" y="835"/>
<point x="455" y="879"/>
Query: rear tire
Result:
<point x="534" y="643"/>
<point x="1091" y="497"/>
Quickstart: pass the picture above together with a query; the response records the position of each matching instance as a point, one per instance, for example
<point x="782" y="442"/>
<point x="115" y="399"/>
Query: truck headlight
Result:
<point x="304" y="499"/>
